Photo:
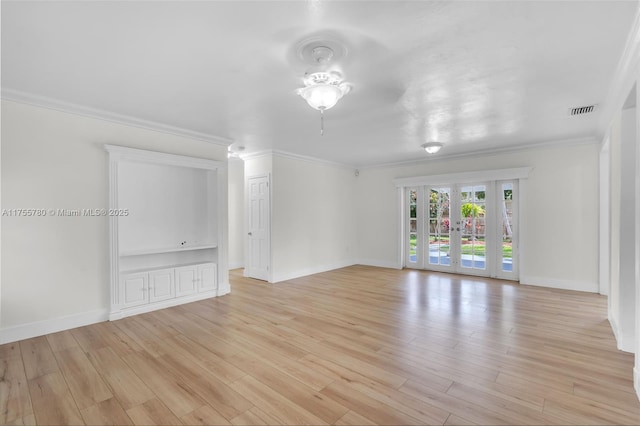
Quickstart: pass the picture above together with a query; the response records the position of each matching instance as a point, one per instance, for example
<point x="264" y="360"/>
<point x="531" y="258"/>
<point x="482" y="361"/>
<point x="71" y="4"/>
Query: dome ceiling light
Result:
<point x="432" y="147"/>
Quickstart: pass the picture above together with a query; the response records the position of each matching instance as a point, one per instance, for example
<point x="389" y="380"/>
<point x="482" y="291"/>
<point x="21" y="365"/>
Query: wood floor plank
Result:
<point x="206" y="386"/>
<point x="174" y="392"/>
<point x="107" y="412"/>
<point x="255" y="416"/>
<point x="61" y="341"/>
<point x="295" y="391"/>
<point x="85" y="384"/>
<point x="89" y="337"/>
<point x="37" y="357"/>
<point x="52" y="401"/>
<point x="454" y="420"/>
<point x="10" y="350"/>
<point x="128" y="388"/>
<point x="152" y="412"/>
<point x="186" y="348"/>
<point x="353" y="419"/>
<point x="204" y="415"/>
<point x="357" y="345"/>
<point x="624" y="401"/>
<point x="205" y="337"/>
<point x="144" y="338"/>
<point x="119" y="341"/>
<point x="390" y="396"/>
<point x="368" y="407"/>
<point x="517" y="411"/>
<point x="15" y="402"/>
<point x="459" y="407"/>
<point x="24" y="421"/>
<point x="274" y="404"/>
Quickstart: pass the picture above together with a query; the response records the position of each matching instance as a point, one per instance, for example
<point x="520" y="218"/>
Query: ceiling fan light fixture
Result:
<point x="323" y="89"/>
<point x="321" y="96"/>
<point x="432" y="147"/>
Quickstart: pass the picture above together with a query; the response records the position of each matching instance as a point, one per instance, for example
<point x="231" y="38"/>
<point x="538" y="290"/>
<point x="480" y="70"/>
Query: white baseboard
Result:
<point x="621" y="343"/>
<point x="590" y="287"/>
<point x="310" y="271"/>
<point x="379" y="263"/>
<point x="143" y="309"/>
<point x="224" y="288"/>
<point x="40" y="328"/>
<point x="236" y="265"/>
<point x="614" y="327"/>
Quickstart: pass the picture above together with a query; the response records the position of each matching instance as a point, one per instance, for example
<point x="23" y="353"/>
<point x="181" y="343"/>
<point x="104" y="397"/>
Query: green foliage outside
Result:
<point x="476" y="249"/>
<point x="471" y="210"/>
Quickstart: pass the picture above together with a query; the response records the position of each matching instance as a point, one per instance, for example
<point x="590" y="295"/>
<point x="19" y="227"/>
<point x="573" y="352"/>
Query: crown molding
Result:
<point x="290" y="155"/>
<point x="71" y="108"/>
<point x="253" y="155"/>
<point x="438" y="157"/>
<point x="484" y="152"/>
<point x="118" y="152"/>
<point x="464" y="177"/>
<point x="624" y="78"/>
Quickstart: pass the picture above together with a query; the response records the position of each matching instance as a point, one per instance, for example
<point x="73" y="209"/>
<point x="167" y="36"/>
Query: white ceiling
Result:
<point x="476" y="76"/>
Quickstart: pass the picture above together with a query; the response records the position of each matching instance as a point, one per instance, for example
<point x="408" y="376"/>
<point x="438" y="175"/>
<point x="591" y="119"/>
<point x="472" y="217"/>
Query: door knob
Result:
<point x="249" y="234"/>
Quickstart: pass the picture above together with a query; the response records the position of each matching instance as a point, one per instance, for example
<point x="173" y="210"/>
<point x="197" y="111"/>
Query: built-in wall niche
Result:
<point x="167" y="208"/>
<point x="167" y="216"/>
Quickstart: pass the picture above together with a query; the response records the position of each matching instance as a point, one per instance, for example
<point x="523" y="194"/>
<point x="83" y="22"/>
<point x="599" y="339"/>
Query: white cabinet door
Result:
<point x="161" y="285"/>
<point x="186" y="280"/>
<point x="134" y="288"/>
<point x="207" y="277"/>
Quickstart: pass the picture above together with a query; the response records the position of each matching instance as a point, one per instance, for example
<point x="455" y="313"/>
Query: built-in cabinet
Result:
<point x="168" y="230"/>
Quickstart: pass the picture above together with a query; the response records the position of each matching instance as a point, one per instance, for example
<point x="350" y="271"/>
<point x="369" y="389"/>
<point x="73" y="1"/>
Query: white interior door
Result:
<point x="258" y="229"/>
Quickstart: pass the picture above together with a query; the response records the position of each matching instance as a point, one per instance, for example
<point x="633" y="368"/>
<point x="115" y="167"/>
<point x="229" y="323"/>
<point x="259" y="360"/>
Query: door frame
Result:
<point x="491" y="177"/>
<point x="247" y="210"/>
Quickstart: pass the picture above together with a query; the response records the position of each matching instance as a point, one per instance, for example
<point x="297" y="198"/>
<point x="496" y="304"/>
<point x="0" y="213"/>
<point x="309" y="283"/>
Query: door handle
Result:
<point x="249" y="234"/>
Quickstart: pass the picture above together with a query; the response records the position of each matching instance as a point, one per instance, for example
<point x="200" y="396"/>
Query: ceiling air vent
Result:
<point x="582" y="110"/>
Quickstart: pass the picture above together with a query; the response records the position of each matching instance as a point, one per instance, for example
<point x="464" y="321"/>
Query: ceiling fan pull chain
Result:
<point x="322" y="122"/>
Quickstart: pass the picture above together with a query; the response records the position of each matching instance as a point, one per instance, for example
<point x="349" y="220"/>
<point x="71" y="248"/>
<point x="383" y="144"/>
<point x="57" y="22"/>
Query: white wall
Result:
<point x="560" y="235"/>
<point x="237" y="236"/>
<point x="614" y="208"/>
<point x="55" y="269"/>
<point x="314" y="217"/>
<point x="623" y="217"/>
<point x="636" y="369"/>
<point x="627" y="230"/>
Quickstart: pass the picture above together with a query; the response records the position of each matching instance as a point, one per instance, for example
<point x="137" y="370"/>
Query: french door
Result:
<point x="468" y="228"/>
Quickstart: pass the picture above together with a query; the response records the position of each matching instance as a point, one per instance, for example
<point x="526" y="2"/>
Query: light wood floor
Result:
<point x="358" y="345"/>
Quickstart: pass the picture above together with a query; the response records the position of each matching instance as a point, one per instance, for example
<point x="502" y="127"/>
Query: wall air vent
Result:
<point x="582" y="110"/>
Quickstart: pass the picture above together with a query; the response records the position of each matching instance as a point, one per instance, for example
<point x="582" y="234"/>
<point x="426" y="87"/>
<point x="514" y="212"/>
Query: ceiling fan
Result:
<point x="324" y="84"/>
<point x="324" y="56"/>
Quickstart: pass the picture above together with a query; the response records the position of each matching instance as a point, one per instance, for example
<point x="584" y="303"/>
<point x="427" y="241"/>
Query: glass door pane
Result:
<point x="473" y="227"/>
<point x="413" y="226"/>
<point x="439" y="226"/>
<point x="507" y="200"/>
